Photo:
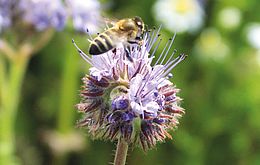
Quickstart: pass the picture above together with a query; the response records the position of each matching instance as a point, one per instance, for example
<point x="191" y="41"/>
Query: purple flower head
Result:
<point x="85" y="14"/>
<point x="119" y="103"/>
<point x="133" y="100"/>
<point x="44" y="14"/>
<point x="5" y="14"/>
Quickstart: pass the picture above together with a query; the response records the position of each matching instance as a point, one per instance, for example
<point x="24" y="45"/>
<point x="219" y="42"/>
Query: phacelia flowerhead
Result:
<point x="47" y="14"/>
<point x="5" y="14"/>
<point x="131" y="100"/>
<point x="85" y="14"/>
<point x="44" y="14"/>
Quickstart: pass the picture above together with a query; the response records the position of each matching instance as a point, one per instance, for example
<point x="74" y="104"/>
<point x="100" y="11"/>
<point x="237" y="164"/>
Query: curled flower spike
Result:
<point x="131" y="100"/>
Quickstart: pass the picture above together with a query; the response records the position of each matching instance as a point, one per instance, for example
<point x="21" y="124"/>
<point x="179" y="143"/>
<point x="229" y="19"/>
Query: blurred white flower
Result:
<point x="253" y="35"/>
<point x="85" y="14"/>
<point x="179" y="15"/>
<point x="229" y="17"/>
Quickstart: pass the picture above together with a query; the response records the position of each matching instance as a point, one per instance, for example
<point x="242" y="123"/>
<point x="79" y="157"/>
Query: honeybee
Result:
<point x="125" y="31"/>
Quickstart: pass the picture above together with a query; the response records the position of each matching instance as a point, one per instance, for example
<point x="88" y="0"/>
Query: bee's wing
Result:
<point x="110" y="21"/>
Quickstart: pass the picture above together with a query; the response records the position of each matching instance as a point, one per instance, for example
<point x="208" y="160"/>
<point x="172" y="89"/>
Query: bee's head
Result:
<point x="140" y="24"/>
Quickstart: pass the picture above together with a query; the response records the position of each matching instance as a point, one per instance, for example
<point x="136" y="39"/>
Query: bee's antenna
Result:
<point x="81" y="53"/>
<point x="146" y="29"/>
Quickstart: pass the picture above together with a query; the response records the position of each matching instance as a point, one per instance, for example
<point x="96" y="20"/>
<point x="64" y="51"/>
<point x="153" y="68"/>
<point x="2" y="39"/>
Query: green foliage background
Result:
<point x="221" y="97"/>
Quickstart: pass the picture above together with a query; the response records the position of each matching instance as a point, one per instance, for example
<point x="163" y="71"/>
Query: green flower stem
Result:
<point x="69" y="84"/>
<point x="2" y="78"/>
<point x="7" y="50"/>
<point x="121" y="152"/>
<point x="10" y="92"/>
<point x="43" y="40"/>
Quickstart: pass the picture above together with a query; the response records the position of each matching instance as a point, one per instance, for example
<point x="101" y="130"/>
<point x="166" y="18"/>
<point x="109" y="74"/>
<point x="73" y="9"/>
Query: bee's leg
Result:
<point x="127" y="51"/>
<point x="137" y="42"/>
<point x="133" y="42"/>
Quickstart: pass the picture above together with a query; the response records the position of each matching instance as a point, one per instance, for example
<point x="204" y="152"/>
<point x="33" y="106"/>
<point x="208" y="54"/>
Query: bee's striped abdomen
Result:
<point x="101" y="44"/>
